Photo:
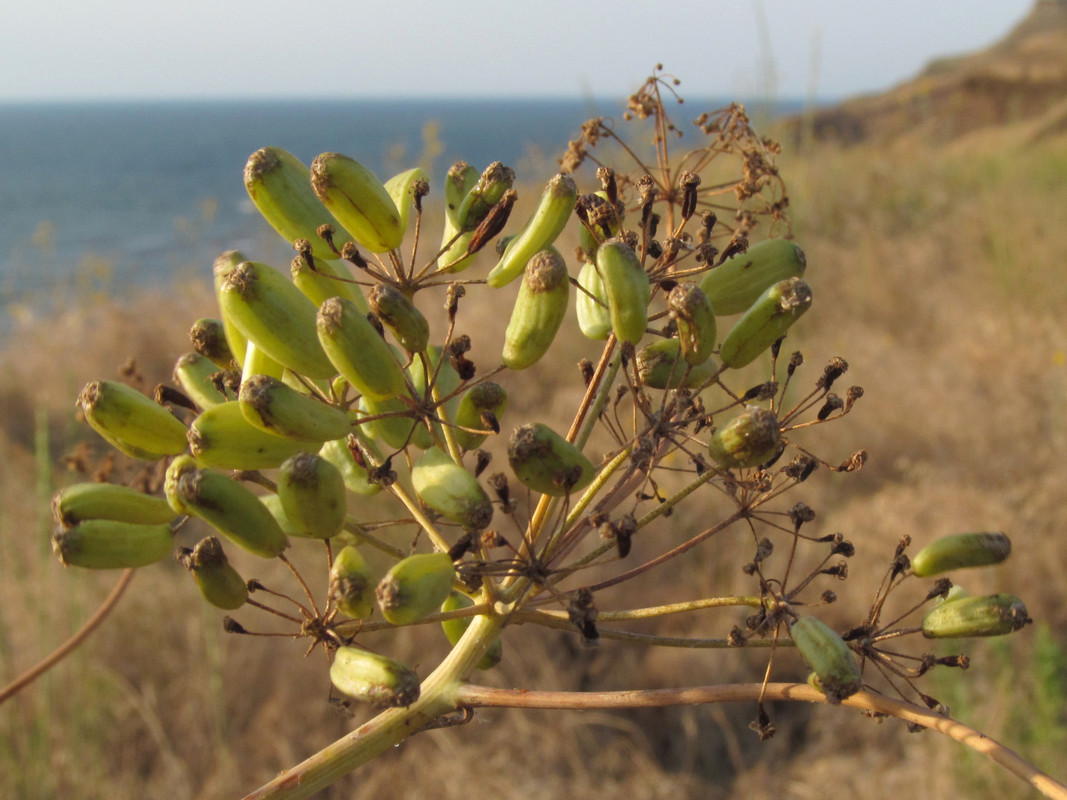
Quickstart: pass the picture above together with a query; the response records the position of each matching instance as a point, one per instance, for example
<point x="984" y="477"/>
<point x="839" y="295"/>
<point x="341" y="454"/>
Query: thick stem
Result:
<point x="439" y="695"/>
<point x="471" y="696"/>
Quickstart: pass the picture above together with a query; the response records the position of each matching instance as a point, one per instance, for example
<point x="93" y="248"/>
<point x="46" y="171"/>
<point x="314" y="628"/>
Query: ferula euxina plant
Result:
<point x="364" y="371"/>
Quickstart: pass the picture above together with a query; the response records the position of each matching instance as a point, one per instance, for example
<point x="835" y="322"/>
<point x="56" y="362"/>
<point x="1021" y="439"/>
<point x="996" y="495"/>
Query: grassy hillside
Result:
<point x="937" y="274"/>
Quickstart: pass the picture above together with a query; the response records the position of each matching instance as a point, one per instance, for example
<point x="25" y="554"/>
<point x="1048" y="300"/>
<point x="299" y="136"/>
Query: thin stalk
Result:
<point x="472" y="696"/>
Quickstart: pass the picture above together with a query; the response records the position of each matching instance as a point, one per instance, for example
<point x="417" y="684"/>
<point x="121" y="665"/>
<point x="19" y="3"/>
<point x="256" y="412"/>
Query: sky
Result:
<point x="771" y="49"/>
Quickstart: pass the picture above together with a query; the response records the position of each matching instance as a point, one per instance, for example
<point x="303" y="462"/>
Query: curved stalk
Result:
<point x="472" y="696"/>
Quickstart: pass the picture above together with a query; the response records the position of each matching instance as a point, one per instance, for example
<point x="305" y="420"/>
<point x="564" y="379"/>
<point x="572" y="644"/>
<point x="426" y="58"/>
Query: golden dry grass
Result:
<point x="937" y="274"/>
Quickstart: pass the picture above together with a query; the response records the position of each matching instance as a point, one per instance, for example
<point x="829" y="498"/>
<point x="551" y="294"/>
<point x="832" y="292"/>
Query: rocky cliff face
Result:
<point x="1022" y="78"/>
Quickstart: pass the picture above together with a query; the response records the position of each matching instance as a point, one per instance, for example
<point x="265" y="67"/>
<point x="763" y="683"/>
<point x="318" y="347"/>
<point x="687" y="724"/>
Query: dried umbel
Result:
<point x="355" y="411"/>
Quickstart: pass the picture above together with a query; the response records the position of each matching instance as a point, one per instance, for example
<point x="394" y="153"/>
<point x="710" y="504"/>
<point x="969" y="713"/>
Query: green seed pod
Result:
<point x="660" y="365"/>
<point x="455" y="628"/>
<point x="393" y="431"/>
<point x="991" y="615"/>
<point x="735" y="284"/>
<point x="748" y="440"/>
<point x="81" y="501"/>
<point x="544" y="226"/>
<point x="209" y="340"/>
<point x="545" y="462"/>
<point x="107" y="544"/>
<point x="398" y="313"/>
<point x="960" y="551"/>
<point x="601" y="215"/>
<point x="222" y="438"/>
<point x="312" y="492"/>
<point x="352" y="584"/>
<point x="487" y="190"/>
<point x="224" y="265"/>
<point x="339" y="453"/>
<point x="765" y="322"/>
<point x="358" y="351"/>
<point x="627" y="289"/>
<point x="591" y="305"/>
<point x="280" y="187"/>
<point x="273" y="504"/>
<point x="181" y="464"/>
<point x="359" y="201"/>
<point x="258" y="362"/>
<point x="482" y="398"/>
<point x="829" y="657"/>
<point x="692" y="313"/>
<point x="270" y="311"/>
<point x="218" y="582"/>
<point x="372" y="678"/>
<point x="273" y="407"/>
<point x="328" y="279"/>
<point x="401" y="188"/>
<point x="460" y="179"/>
<point x="130" y="421"/>
<point x="232" y="510"/>
<point x="415" y="586"/>
<point x="450" y="490"/>
<point x="193" y="372"/>
<point x="538" y="312"/>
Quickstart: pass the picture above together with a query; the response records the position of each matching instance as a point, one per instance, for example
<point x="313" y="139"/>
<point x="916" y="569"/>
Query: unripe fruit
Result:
<point x="765" y="322"/>
<point x="312" y="492"/>
<point x="455" y="628"/>
<point x="455" y="237"/>
<point x="82" y="501"/>
<point x="280" y="187"/>
<point x="415" y="587"/>
<point x="401" y="189"/>
<point x="482" y="398"/>
<point x="271" y="406"/>
<point x="270" y="311"/>
<point x="627" y="289"/>
<point x="591" y="305"/>
<point x="223" y="266"/>
<point x="544" y="226"/>
<point x="538" y="312"/>
<point x="398" y="313"/>
<point x="193" y="373"/>
<point x="372" y="678"/>
<point x="107" y="544"/>
<point x="219" y="583"/>
<point x="338" y="452"/>
<point x="232" y="510"/>
<point x="692" y="313"/>
<point x="222" y="438"/>
<point x="328" y="279"/>
<point x="545" y="462"/>
<point x="736" y="283"/>
<point x="488" y="190"/>
<point x="450" y="490"/>
<point x="660" y="365"/>
<point x="828" y="656"/>
<point x="209" y="340"/>
<point x="130" y="421"/>
<point x="748" y="440"/>
<point x="992" y="615"/>
<point x="960" y="551"/>
<point x="358" y="351"/>
<point x="359" y="201"/>
<point x="351" y="584"/>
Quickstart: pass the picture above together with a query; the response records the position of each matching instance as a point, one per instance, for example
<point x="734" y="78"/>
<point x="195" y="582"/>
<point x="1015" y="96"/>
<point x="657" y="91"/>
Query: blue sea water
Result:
<point x="138" y="192"/>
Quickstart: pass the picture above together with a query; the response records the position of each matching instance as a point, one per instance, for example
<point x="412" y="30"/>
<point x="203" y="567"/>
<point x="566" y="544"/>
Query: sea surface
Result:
<point x="109" y="195"/>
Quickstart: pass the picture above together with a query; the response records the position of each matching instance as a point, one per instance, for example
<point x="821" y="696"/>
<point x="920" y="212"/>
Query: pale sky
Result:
<point x="146" y="49"/>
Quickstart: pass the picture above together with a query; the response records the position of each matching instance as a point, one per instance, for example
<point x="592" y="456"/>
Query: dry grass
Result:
<point x="937" y="275"/>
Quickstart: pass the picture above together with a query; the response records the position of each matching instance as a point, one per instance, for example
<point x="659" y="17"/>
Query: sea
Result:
<point x="111" y="195"/>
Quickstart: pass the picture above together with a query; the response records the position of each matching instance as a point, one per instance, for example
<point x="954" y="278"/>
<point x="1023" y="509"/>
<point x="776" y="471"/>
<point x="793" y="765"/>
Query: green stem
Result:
<point x="439" y="696"/>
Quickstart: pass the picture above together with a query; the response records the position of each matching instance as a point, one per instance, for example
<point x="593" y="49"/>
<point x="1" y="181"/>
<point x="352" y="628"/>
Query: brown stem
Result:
<point x="473" y="696"/>
<point x="61" y="652"/>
